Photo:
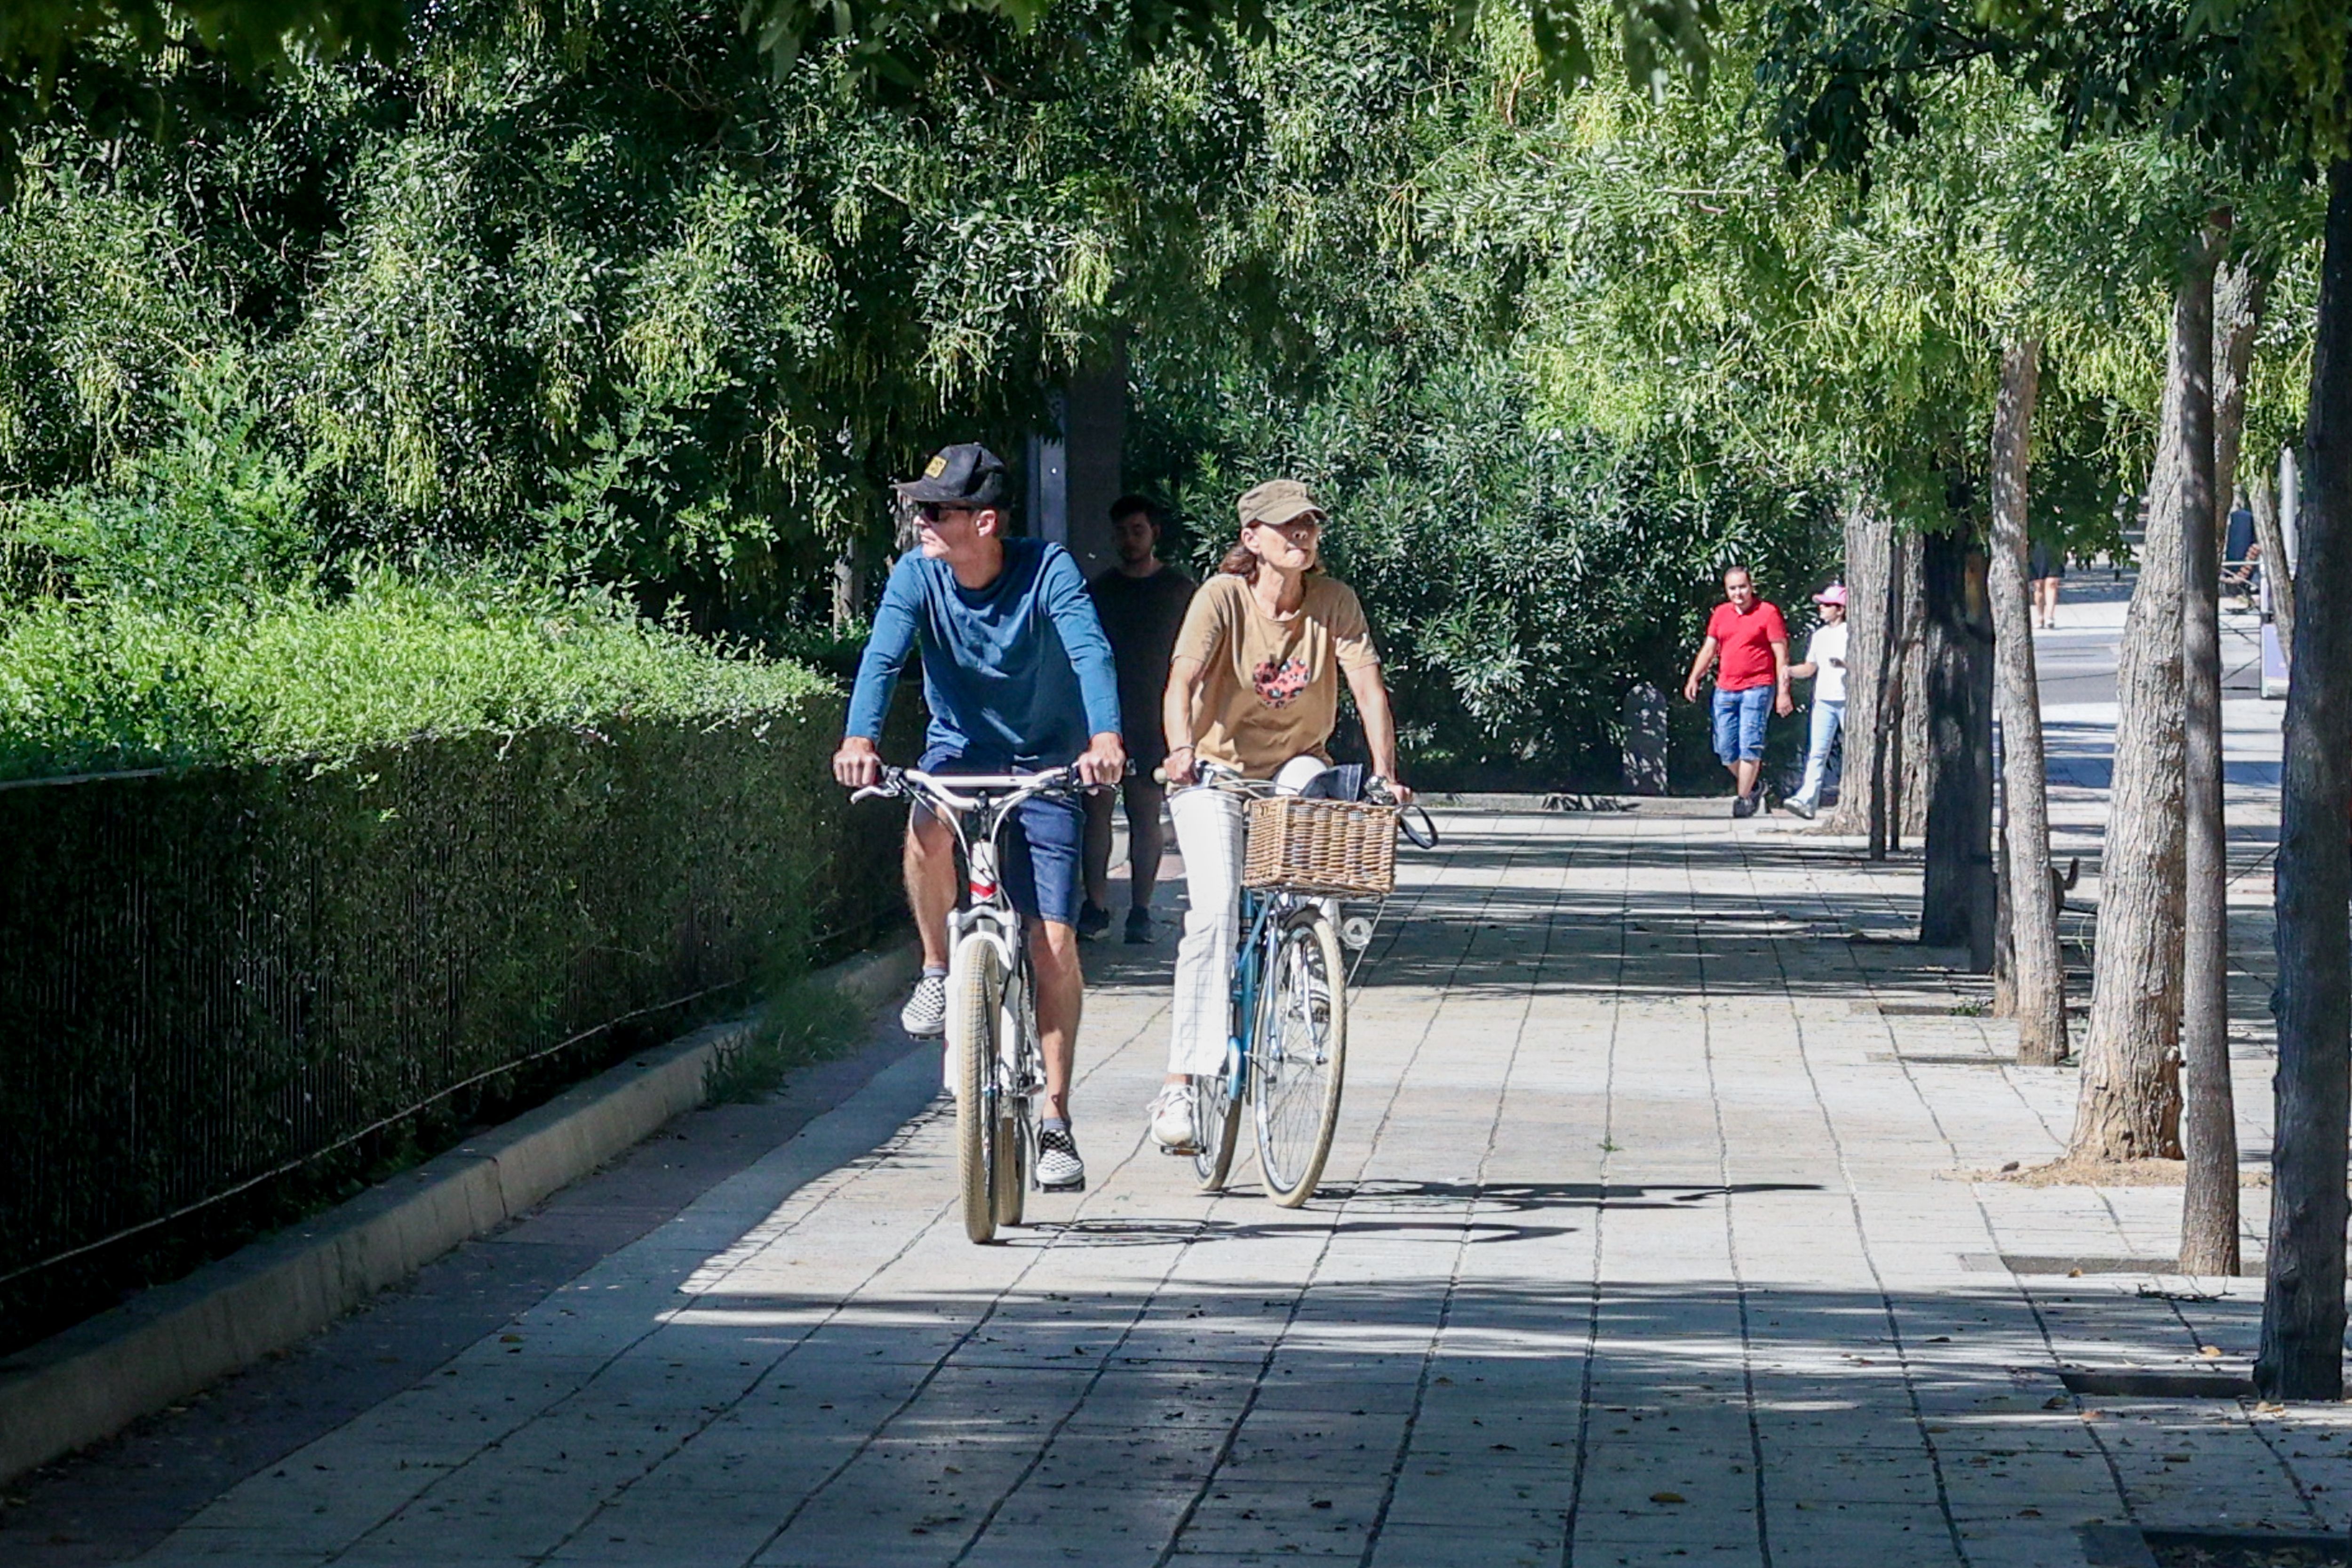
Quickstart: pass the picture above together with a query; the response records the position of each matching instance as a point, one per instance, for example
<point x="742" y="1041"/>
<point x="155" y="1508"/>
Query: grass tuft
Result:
<point x="804" y="1022"/>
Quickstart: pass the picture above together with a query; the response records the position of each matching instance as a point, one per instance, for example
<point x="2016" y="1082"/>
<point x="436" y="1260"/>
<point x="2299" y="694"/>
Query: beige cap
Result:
<point x="1279" y="501"/>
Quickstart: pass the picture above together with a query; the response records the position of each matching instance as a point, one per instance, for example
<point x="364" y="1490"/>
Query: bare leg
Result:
<point x="1743" y="772"/>
<point x="1061" y="996"/>
<point x="930" y="868"/>
<point x="1098" y="851"/>
<point x="1146" y="839"/>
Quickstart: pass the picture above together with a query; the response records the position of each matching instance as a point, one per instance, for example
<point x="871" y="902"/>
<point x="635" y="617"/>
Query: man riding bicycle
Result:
<point x="1018" y="676"/>
<point x="1254" y="690"/>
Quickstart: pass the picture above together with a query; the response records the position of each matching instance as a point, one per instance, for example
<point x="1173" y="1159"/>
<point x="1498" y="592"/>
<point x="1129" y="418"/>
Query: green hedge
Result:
<point x="211" y="975"/>
<point x="107" y="683"/>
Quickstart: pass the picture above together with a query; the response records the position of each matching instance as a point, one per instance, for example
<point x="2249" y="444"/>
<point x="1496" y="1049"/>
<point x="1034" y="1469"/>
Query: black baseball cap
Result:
<point x="966" y="476"/>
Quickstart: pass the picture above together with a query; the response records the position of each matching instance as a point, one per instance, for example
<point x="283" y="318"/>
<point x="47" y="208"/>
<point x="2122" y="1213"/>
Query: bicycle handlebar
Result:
<point x="1423" y="837"/>
<point x="960" y="791"/>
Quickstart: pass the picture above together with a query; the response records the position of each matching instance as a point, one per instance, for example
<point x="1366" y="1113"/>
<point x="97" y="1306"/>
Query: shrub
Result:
<point x="89" y="686"/>
<point x="283" y="974"/>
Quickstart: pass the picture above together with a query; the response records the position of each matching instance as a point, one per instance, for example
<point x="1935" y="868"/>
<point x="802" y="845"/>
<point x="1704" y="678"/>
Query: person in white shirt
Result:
<point x="1825" y="665"/>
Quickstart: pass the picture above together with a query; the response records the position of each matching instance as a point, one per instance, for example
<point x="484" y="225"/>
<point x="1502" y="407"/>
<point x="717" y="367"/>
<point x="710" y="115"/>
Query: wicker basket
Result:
<point x="1339" y="848"/>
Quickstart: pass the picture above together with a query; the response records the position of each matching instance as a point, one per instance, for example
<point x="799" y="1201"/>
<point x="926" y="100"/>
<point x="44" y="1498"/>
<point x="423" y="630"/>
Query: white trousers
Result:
<point x="1211" y="826"/>
<point x="1827" y="720"/>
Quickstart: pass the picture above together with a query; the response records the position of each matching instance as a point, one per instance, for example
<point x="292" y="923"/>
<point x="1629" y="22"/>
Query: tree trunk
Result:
<point x="2004" y="936"/>
<point x="2239" y="294"/>
<point x="2037" y="969"/>
<point x="2277" y="570"/>
<point x="2129" y="1104"/>
<point x="2209" y="1120"/>
<point x="1957" y="893"/>
<point x="1870" y="550"/>
<point x="1903" y="723"/>
<point x="2302" y="1354"/>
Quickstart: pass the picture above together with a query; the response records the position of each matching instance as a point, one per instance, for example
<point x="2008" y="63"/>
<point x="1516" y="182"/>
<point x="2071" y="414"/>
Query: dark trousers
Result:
<point x="1145" y="840"/>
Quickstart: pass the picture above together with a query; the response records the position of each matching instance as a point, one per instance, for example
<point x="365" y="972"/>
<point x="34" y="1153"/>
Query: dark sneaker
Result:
<point x="1059" y="1169"/>
<point x="926" y="1012"/>
<point x="1743" y="806"/>
<point x="1093" y="920"/>
<point x="1138" y="926"/>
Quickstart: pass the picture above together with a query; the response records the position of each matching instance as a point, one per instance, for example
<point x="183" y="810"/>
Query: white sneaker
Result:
<point x="1059" y="1169"/>
<point x="926" y="1012"/>
<point x="1172" y="1119"/>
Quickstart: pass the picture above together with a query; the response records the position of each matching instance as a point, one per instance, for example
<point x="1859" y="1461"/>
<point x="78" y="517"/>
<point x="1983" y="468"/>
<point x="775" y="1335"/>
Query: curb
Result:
<point x="97" y="1377"/>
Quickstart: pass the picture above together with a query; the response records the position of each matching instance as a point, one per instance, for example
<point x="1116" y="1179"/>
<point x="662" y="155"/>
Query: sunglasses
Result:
<point x="932" y="511"/>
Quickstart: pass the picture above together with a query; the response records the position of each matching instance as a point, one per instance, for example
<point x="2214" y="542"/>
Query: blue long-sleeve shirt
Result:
<point x="1017" y="674"/>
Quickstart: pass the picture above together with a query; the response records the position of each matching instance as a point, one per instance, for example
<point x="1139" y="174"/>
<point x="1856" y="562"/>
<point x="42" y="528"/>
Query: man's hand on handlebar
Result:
<point x="1397" y="794"/>
<point x="858" y="765"/>
<point x="1103" y="762"/>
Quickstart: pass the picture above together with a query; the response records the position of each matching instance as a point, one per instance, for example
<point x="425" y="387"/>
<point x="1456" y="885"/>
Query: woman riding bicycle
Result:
<point x="1254" y="690"/>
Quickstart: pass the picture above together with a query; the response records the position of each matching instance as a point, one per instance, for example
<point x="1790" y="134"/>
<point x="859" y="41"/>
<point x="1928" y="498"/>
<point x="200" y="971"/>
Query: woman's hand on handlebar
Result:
<point x="858" y="765"/>
<point x="1170" y="771"/>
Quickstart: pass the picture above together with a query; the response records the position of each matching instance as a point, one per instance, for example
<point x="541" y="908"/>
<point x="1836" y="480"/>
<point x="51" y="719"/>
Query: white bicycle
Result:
<point x="996" y="1064"/>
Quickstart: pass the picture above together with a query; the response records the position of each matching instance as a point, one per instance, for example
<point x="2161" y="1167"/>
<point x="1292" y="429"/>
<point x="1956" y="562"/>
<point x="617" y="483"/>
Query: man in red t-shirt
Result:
<point x="1747" y="643"/>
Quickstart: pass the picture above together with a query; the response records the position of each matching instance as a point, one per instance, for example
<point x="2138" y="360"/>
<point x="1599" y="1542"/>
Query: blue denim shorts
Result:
<point x="1739" y="722"/>
<point x="1042" y="861"/>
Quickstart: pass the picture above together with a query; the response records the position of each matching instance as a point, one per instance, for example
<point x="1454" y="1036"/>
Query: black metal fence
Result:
<point x="210" y="980"/>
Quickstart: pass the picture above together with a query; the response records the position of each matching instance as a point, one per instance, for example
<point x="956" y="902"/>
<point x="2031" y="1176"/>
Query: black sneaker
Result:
<point x="1059" y="1169"/>
<point x="1743" y="805"/>
<point x="1138" y="926"/>
<point x="1093" y="920"/>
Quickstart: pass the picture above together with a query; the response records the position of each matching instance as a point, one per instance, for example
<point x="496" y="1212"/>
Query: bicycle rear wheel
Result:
<point x="975" y="991"/>
<point x="1009" y="1172"/>
<point x="1217" y="1125"/>
<point x="1299" y="1061"/>
<point x="1015" y="1126"/>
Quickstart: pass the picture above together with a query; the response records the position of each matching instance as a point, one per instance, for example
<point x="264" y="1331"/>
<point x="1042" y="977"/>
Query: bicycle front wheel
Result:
<point x="975" y="992"/>
<point x="1299" y="1059"/>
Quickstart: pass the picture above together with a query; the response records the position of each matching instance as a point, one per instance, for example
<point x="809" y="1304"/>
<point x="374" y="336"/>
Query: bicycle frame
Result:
<point x="976" y="809"/>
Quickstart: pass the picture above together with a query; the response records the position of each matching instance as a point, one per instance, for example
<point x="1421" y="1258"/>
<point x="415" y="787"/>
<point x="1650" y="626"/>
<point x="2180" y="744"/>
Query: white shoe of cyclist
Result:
<point x="1059" y="1169"/>
<point x="1171" y="1120"/>
<point x="926" y="1012"/>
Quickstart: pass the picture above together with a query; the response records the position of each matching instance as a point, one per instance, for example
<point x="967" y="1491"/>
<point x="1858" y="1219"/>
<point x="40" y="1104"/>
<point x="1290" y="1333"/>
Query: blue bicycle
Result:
<point x="1287" y="1045"/>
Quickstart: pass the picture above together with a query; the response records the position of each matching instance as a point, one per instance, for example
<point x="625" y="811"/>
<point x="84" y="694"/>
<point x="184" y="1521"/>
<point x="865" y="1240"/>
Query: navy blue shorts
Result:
<point x="1042" y="846"/>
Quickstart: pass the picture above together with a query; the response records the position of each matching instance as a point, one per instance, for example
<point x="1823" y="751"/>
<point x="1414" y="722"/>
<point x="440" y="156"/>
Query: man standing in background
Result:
<point x="1141" y="602"/>
<point x="1825" y="665"/>
<point x="2241" y="573"/>
<point x="1747" y="644"/>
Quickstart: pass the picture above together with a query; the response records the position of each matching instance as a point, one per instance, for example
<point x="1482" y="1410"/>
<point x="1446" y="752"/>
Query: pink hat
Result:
<point x="1833" y="594"/>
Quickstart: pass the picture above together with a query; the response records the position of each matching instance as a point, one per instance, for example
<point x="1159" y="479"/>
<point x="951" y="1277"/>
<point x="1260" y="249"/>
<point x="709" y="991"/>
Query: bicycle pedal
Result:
<point x="1186" y="1150"/>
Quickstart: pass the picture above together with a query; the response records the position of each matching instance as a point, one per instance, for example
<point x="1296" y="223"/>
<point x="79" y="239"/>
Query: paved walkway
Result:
<point x="1650" y="1236"/>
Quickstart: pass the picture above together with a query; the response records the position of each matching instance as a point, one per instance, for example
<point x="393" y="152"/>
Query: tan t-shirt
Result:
<point x="1271" y="691"/>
